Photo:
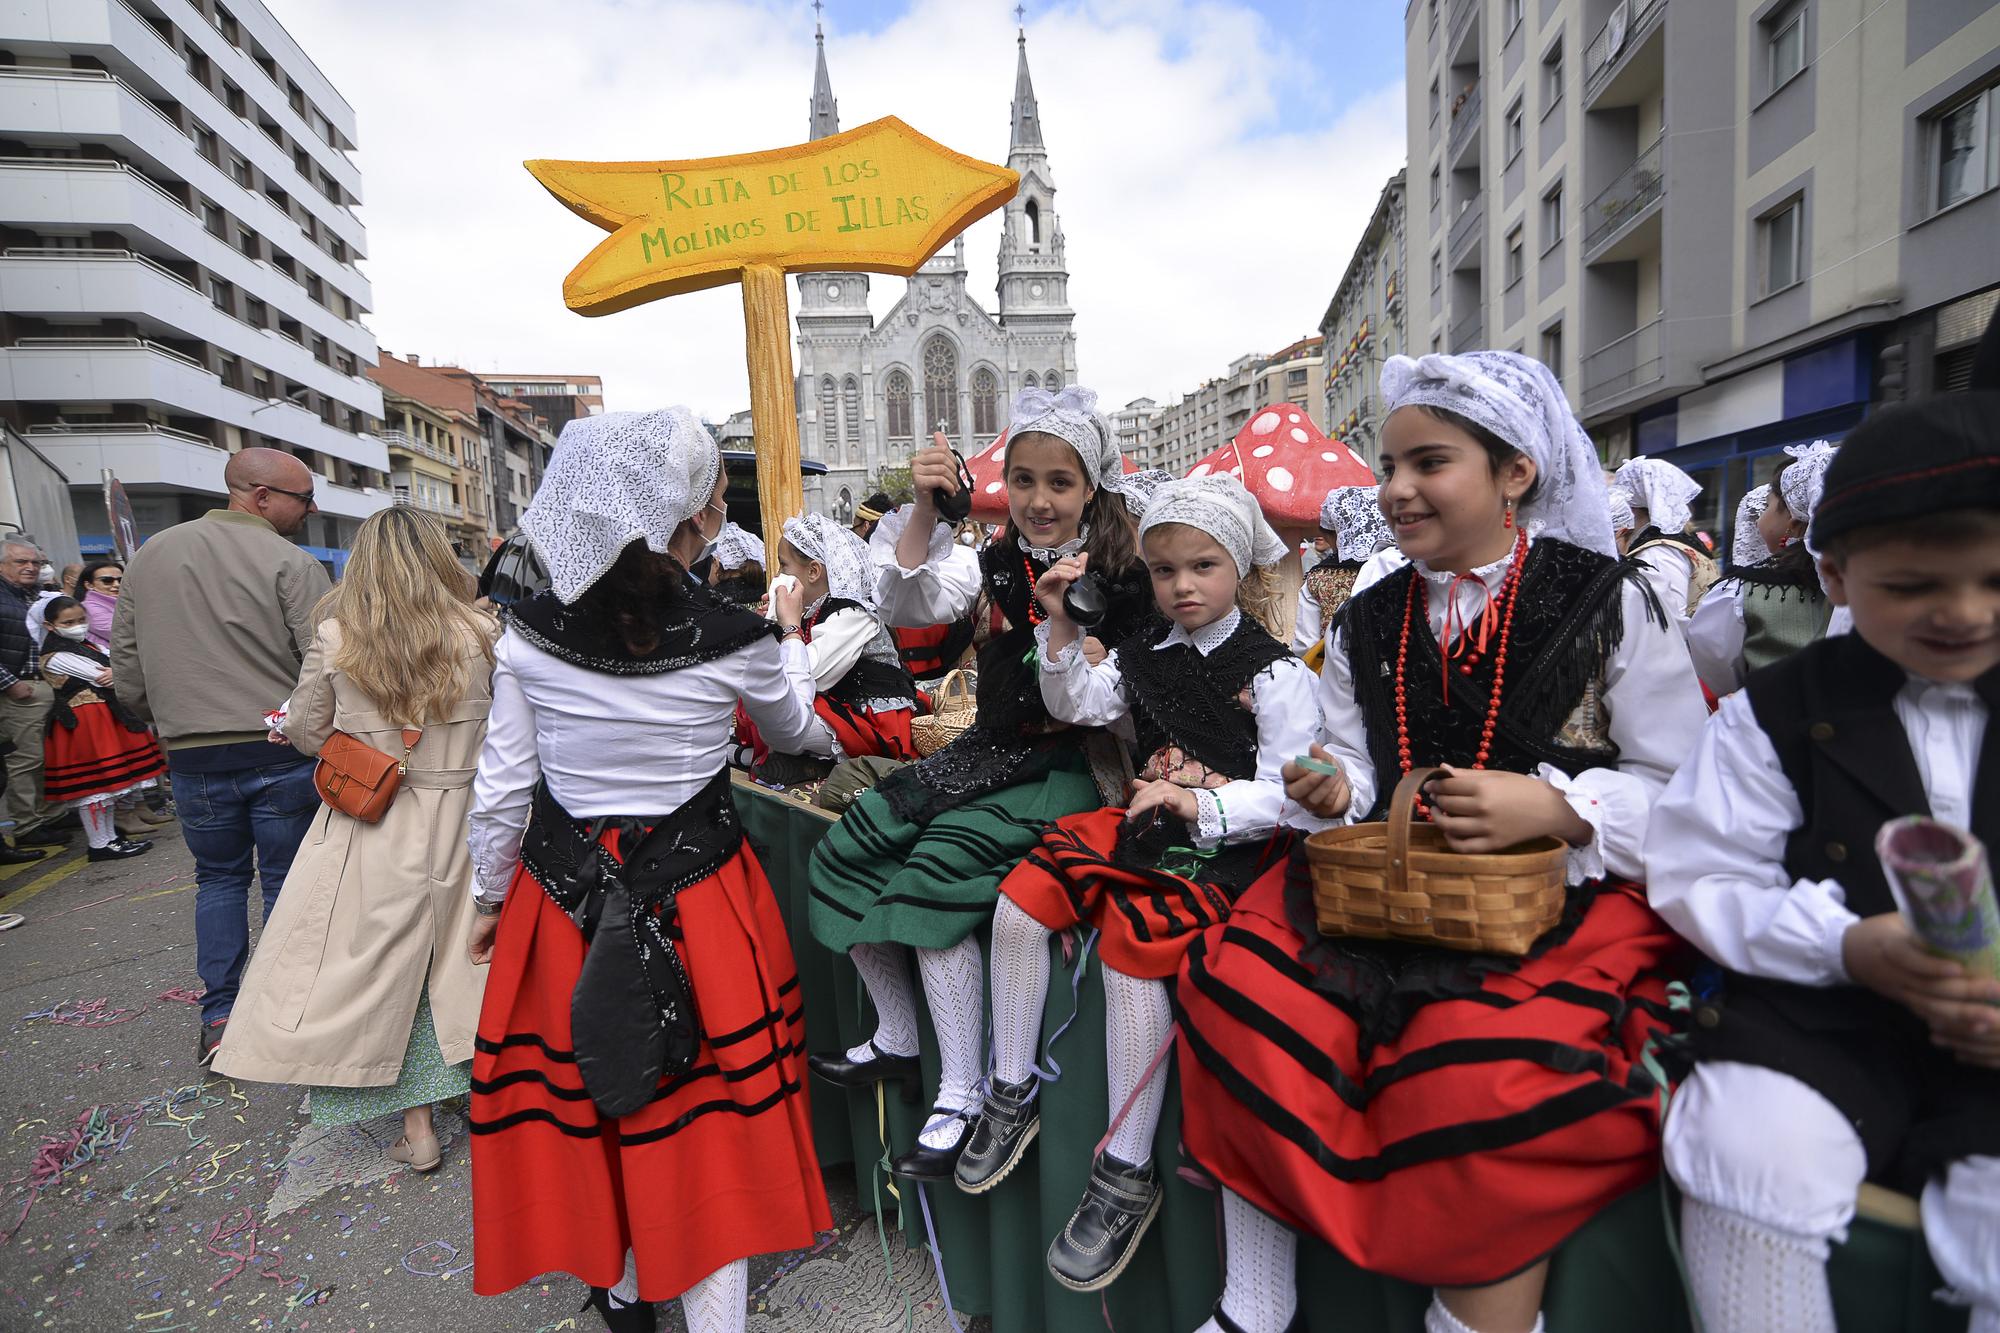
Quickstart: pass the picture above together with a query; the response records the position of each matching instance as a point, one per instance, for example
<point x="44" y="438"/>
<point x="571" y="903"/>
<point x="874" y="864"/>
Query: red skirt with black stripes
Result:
<point x="1468" y="1142"/>
<point x="1145" y="916"/>
<point x="97" y="757"/>
<point x="718" y="1167"/>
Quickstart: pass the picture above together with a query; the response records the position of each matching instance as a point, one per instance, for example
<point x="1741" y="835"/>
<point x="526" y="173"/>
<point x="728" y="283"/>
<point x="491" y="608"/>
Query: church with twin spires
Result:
<point x="868" y="392"/>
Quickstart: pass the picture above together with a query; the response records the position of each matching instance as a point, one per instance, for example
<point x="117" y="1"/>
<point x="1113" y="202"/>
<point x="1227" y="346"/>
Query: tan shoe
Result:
<point x="421" y="1155"/>
<point x="154" y="817"/>
<point x="132" y="826"/>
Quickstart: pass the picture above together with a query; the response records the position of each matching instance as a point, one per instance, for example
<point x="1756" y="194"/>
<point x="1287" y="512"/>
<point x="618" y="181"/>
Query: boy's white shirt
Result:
<point x="1715" y="858"/>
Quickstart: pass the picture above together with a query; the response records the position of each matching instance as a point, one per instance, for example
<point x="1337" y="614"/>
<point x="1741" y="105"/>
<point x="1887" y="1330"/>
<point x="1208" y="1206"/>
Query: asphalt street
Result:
<point x="138" y="1194"/>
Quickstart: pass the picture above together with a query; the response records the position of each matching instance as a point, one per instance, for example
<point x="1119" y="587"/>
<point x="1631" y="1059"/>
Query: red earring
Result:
<point x="1509" y="520"/>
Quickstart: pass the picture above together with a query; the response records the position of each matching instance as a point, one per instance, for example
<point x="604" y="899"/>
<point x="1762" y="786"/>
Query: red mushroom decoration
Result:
<point x="989" y="481"/>
<point x="1290" y="465"/>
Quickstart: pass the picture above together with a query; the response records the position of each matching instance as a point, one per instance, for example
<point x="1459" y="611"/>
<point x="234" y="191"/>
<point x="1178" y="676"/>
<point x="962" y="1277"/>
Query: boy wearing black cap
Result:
<point x="1839" y="1050"/>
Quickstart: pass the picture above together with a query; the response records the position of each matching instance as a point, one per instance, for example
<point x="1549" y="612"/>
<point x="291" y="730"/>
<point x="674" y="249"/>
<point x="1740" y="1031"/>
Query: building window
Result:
<point x="1437" y="272"/>
<point x="985" y="403"/>
<point x="1032" y="381"/>
<point x="1510" y="15"/>
<point x="1437" y="195"/>
<point x="1968" y="148"/>
<point x="1552" y="348"/>
<point x="1552" y="216"/>
<point x="1786" y="42"/>
<point x="850" y="418"/>
<point x="1552" y="77"/>
<point x="220" y="295"/>
<point x="1052" y="381"/>
<point x="1434" y="101"/>
<point x="1781" y="242"/>
<point x="1516" y="256"/>
<point x="829" y="419"/>
<point x="1294" y="378"/>
<point x="897" y="392"/>
<point x="1517" y="134"/>
<point x="1031" y="217"/>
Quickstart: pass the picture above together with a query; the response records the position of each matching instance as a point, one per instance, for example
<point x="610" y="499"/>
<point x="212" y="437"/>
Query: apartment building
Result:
<point x="1132" y="426"/>
<point x="438" y="458"/>
<point x="178" y="260"/>
<point x="1295" y="375"/>
<point x="556" y="399"/>
<point x="1364" y="326"/>
<point x="1731" y="225"/>
<point x="1209" y="417"/>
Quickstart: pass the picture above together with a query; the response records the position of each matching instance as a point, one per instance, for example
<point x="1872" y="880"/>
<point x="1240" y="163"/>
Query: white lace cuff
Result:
<point x="1062" y="663"/>
<point x="1586" y="863"/>
<point x="882" y="544"/>
<point x="1211" y="824"/>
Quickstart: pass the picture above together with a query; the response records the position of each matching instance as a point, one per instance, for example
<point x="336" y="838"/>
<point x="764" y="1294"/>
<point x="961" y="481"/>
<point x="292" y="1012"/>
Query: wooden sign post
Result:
<point x="878" y="199"/>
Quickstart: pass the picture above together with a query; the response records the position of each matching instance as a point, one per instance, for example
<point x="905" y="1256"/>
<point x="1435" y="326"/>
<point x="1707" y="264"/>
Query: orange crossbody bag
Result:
<point x="359" y="780"/>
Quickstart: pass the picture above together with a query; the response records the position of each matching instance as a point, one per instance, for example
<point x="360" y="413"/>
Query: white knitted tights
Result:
<point x="1137" y="1019"/>
<point x="99" y="823"/>
<point x="720" y="1302"/>
<point x="1260" y="1288"/>
<point x="1020" y="990"/>
<point x="955" y="989"/>
<point x="1748" y="1277"/>
<point x="885" y="971"/>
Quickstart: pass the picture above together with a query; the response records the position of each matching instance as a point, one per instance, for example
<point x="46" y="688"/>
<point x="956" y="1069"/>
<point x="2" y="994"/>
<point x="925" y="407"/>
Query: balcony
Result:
<point x="1630" y="23"/>
<point x="1622" y="365"/>
<point x="1468" y="331"/>
<point x="1464" y="124"/>
<point x="1467" y="230"/>
<point x="1462" y="14"/>
<point x="396" y="439"/>
<point x="444" y="508"/>
<point x="1632" y="196"/>
<point x="146" y="457"/>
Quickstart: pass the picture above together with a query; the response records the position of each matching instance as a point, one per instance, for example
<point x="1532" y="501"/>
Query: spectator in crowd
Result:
<point x="377" y="1007"/>
<point x="97" y="584"/>
<point x="25" y="699"/>
<point x="869" y="513"/>
<point x="65" y="583"/>
<point x="214" y="621"/>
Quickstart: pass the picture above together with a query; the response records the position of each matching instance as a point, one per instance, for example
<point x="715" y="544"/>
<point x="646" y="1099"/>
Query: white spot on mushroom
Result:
<point x="1279" y="479"/>
<point x="1236" y="471"/>
<point x="1301" y="436"/>
<point x="993" y="488"/>
<point x="1199" y="470"/>
<point x="1265" y="424"/>
<point x="1328" y="456"/>
<point x="1292" y="417"/>
<point x="1263" y="451"/>
<point x="1359" y="461"/>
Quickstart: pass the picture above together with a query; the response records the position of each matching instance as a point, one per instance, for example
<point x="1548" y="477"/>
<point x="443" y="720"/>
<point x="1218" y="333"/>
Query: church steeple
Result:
<point x="1034" y="278"/>
<point x="1027" y="120"/>
<point x="824" y="117"/>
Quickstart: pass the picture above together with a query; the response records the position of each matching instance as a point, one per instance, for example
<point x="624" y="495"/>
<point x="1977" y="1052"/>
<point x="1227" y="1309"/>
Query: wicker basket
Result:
<point x="952" y="712"/>
<point x="1398" y="881"/>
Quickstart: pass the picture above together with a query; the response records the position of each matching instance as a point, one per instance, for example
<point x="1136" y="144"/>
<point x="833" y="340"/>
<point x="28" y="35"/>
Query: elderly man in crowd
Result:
<point x="215" y="618"/>
<point x="25" y="700"/>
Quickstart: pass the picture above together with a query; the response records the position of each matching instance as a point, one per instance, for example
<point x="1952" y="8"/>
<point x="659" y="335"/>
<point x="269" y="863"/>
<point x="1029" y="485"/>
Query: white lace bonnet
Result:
<point x="1219" y="505"/>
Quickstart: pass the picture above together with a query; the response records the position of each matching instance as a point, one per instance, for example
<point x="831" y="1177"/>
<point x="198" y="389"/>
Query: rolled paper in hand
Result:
<point x="1944" y="883"/>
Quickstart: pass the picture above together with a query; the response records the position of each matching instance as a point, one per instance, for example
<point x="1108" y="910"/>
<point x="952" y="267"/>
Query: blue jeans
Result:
<point x="230" y="815"/>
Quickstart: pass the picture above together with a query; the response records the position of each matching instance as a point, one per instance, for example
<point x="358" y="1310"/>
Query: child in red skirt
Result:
<point x="1438" y="1116"/>
<point x="95" y="751"/>
<point x="1216" y="705"/>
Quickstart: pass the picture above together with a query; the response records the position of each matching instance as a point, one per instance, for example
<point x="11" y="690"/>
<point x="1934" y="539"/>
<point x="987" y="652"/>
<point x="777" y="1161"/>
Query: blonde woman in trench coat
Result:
<point x="361" y="986"/>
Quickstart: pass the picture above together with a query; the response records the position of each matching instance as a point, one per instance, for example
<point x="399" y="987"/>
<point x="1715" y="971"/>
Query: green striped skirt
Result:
<point x="880" y="879"/>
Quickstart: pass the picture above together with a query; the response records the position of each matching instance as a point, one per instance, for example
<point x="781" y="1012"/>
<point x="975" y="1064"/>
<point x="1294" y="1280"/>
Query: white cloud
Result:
<point x="1199" y="224"/>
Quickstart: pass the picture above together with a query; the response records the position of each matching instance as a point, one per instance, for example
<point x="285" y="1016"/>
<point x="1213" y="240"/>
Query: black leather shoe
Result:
<point x="20" y="856"/>
<point x="638" y="1317"/>
<point x="837" y="1068"/>
<point x="1228" y="1325"/>
<point x="1103" y="1233"/>
<point x="118" y="849"/>
<point x="925" y="1163"/>
<point x="1007" y="1124"/>
<point x="42" y="837"/>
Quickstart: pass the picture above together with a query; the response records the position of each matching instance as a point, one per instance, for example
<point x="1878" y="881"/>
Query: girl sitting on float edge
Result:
<point x="1451" y="1118"/>
<point x="917" y="861"/>
<point x="1218" y="705"/>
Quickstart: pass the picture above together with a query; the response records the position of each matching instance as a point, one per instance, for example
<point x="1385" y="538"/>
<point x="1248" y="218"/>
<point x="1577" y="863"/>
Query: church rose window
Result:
<point x="899" y="406"/>
<point x="829" y="422"/>
<point x="985" y="403"/>
<point x="941" y="386"/>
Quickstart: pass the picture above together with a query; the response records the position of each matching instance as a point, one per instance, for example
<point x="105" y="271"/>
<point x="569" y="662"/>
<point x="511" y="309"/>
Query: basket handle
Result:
<point x="1402" y="809"/>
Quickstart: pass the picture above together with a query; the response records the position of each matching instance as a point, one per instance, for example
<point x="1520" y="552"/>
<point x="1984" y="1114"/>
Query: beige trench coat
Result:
<point x="369" y="910"/>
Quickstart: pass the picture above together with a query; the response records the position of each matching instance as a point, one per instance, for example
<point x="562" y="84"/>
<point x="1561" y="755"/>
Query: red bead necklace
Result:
<point x="1035" y="613"/>
<point x="1509" y="588"/>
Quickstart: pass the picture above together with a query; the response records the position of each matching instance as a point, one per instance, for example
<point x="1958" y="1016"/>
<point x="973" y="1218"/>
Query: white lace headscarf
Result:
<point x="615" y="479"/>
<point x="850" y="572"/>
<point x="1518" y="399"/>
<point x="1622" y="517"/>
<point x="1664" y="491"/>
<point x="1804" y="481"/>
<point x="1219" y="505"/>
<point x="736" y="546"/>
<point x="1746" y="544"/>
<point x="1353" y="514"/>
<point x="1071" y="416"/>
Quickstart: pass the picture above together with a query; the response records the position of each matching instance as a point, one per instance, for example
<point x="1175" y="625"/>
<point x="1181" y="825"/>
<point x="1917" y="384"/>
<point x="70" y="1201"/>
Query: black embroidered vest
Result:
<point x="877" y="674"/>
<point x="698" y="627"/>
<point x="1568" y="619"/>
<point x="1180" y="698"/>
<point x="1010" y="690"/>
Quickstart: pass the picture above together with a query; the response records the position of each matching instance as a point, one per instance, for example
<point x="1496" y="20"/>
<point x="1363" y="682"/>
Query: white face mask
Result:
<point x="72" y="631"/>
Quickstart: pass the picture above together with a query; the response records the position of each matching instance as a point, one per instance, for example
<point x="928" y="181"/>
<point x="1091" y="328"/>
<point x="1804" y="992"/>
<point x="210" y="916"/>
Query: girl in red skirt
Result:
<point x="865" y="695"/>
<point x="1445" y="1117"/>
<point x="639" y="1111"/>
<point x="95" y="751"/>
<point x="1217" y="706"/>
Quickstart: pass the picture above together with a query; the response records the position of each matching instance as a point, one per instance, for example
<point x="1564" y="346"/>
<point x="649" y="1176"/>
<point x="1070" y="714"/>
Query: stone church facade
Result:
<point x="869" y="392"/>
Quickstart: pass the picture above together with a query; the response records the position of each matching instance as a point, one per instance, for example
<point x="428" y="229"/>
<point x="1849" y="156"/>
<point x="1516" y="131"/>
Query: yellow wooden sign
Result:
<point x="881" y="199"/>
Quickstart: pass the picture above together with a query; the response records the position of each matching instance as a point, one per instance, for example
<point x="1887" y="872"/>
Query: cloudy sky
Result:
<point x="1214" y="161"/>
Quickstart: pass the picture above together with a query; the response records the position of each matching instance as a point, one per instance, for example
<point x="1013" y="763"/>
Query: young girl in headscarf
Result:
<point x="736" y="565"/>
<point x="1679" y="568"/>
<point x="1746" y="538"/>
<point x="1352" y="518"/>
<point x="638" y="1098"/>
<point x="1216" y="706"/>
<point x="864" y="694"/>
<point x="916" y="863"/>
<point x="1448" y="1117"/>
<point x="1767" y="612"/>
